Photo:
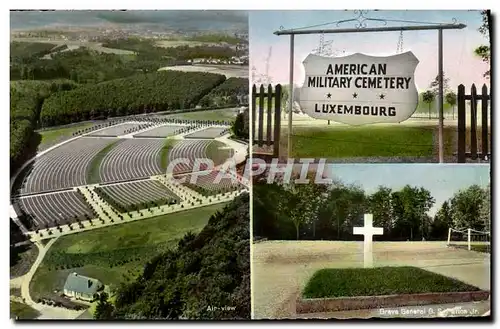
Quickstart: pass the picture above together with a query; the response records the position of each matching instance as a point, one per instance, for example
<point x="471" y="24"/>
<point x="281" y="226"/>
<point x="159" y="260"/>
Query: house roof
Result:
<point x="83" y="284"/>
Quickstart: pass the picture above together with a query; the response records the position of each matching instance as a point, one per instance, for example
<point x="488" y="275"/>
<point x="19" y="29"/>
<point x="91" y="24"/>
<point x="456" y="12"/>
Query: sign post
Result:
<point x="290" y="99"/>
<point x="441" y="96"/>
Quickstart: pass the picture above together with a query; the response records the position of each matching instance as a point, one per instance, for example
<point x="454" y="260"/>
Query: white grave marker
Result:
<point x="368" y="231"/>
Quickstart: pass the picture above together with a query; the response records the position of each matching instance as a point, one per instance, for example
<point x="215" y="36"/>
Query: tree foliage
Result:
<point x="451" y="98"/>
<point x="26" y="98"/>
<point x="104" y="309"/>
<point x="484" y="51"/>
<point x="84" y="65"/>
<point x="233" y="91"/>
<point x="25" y="51"/>
<point x="428" y="97"/>
<point x="159" y="91"/>
<point x="147" y="49"/>
<point x="240" y="126"/>
<point x="329" y="212"/>
<point x="435" y="84"/>
<point x="467" y="208"/>
<point x="206" y="273"/>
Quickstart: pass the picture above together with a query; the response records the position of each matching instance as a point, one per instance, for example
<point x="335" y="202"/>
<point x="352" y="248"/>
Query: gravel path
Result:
<point x="280" y="269"/>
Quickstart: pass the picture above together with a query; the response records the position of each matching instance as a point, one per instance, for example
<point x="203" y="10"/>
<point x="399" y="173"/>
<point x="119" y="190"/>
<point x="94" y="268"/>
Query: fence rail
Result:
<point x="474" y="98"/>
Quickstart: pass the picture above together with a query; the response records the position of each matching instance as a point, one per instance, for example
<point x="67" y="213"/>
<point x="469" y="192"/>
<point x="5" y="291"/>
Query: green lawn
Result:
<point x="93" y="176"/>
<point x="114" y="254"/>
<point x="53" y="136"/>
<point x="222" y="114"/>
<point x="169" y="143"/>
<point x="218" y="152"/>
<point x="22" y="311"/>
<point x="349" y="282"/>
<point x="481" y="248"/>
<point x="365" y="141"/>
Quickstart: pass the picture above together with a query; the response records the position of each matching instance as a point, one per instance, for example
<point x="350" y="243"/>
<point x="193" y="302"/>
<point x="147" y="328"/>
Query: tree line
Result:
<point x="158" y="91"/>
<point x="329" y="212"/>
<point x="26" y="98"/>
<point x="84" y="65"/>
<point x="146" y="49"/>
<point x="233" y="91"/>
<point x="211" y="268"/>
<point x="23" y="51"/>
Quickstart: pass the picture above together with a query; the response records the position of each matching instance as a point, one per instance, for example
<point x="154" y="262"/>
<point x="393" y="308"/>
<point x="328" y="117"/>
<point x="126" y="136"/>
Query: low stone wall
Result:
<point x="317" y="305"/>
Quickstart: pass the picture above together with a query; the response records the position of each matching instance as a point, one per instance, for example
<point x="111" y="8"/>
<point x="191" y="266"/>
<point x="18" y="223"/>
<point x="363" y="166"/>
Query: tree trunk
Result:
<point x="297" y="229"/>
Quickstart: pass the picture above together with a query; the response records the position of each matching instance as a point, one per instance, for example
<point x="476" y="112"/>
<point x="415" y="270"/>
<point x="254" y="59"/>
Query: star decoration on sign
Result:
<point x="381" y="96"/>
<point x="329" y="95"/>
<point x="355" y="95"/>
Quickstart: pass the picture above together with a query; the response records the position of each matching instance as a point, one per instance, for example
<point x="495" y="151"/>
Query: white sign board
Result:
<point x="360" y="89"/>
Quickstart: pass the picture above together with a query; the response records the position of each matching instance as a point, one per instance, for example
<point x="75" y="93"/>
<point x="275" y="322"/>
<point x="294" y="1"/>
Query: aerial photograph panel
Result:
<point x="123" y="128"/>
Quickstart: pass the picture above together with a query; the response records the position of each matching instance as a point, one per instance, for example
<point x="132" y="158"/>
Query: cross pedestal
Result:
<point x="368" y="231"/>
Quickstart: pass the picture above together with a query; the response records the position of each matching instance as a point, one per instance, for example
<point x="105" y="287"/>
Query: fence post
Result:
<point x="473" y="122"/>
<point x="484" y="122"/>
<point x="269" y="112"/>
<point x="254" y="92"/>
<point x="277" y="120"/>
<point x="461" y="124"/>
<point x="261" y="115"/>
<point x="468" y="238"/>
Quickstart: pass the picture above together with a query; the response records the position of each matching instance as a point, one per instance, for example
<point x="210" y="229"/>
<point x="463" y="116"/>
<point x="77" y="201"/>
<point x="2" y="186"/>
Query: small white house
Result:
<point x="81" y="287"/>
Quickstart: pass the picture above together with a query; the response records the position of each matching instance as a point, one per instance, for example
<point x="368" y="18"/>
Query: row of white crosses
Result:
<point x="368" y="231"/>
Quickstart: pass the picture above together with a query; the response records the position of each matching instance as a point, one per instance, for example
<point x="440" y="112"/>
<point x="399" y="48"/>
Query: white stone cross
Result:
<point x="368" y="231"/>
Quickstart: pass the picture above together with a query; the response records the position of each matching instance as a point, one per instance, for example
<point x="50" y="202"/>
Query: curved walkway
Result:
<point x="46" y="312"/>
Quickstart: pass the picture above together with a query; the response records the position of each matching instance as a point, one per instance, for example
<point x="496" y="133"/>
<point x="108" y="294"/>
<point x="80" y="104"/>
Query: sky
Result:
<point x="442" y="180"/>
<point x="460" y="64"/>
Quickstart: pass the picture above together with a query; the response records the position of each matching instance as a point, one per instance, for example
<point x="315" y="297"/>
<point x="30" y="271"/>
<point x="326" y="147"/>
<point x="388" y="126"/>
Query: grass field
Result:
<point x="22" y="311"/>
<point x="228" y="114"/>
<point x="114" y="254"/>
<point x="379" y="281"/>
<point x="368" y="141"/>
<point x="236" y="71"/>
<point x="178" y="43"/>
<point x="54" y="136"/>
<point x="345" y="142"/>
<point x="169" y="143"/>
<point x="218" y="152"/>
<point x="481" y="248"/>
<point x="93" y="176"/>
